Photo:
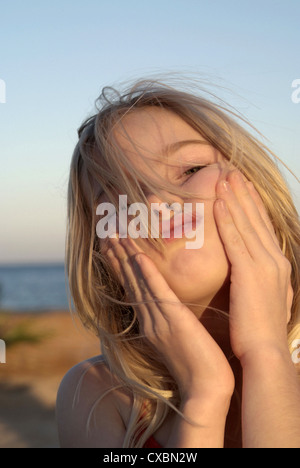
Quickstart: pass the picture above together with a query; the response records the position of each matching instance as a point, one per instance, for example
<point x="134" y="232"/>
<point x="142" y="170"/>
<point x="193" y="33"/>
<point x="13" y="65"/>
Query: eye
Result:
<point x="193" y="170"/>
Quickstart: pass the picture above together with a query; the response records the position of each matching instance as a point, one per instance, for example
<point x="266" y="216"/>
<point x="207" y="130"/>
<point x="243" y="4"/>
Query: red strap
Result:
<point x="152" y="443"/>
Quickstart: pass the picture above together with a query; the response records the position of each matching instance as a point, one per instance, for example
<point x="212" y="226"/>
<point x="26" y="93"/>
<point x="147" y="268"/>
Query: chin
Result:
<point x="197" y="278"/>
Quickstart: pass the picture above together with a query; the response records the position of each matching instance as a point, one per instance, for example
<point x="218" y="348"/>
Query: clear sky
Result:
<point x="55" y="57"/>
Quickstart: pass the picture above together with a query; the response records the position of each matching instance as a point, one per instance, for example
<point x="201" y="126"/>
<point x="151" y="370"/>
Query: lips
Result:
<point x="181" y="225"/>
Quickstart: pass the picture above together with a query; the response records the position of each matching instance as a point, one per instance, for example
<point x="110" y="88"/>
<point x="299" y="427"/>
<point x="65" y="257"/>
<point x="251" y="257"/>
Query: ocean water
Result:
<point x="33" y="287"/>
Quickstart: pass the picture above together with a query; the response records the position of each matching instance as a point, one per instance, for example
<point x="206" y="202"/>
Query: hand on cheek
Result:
<point x="171" y="328"/>
<point x="261" y="294"/>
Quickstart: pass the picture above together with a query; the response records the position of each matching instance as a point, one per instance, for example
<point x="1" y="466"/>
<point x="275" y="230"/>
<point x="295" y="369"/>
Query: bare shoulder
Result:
<point x="92" y="407"/>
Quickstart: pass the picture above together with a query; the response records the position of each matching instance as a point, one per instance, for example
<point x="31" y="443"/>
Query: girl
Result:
<point x="196" y="343"/>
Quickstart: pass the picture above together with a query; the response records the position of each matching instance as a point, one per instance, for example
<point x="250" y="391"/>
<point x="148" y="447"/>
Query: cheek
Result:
<point x="203" y="183"/>
<point x="196" y="276"/>
<point x="198" y="273"/>
<point x="208" y="262"/>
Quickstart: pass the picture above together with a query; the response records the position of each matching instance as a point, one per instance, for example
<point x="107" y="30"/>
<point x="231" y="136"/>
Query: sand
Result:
<point x="31" y="376"/>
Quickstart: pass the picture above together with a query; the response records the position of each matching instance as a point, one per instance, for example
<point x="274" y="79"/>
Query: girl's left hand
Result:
<point x="261" y="294"/>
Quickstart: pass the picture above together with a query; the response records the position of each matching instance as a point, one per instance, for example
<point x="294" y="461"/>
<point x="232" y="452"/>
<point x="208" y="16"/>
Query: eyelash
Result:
<point x="192" y="169"/>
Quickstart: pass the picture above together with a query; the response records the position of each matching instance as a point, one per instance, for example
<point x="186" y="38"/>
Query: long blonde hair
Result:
<point x="99" y="165"/>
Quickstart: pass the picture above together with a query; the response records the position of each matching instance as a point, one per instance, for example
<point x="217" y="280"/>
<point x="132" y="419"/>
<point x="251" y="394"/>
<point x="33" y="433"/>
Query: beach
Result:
<point x="30" y="378"/>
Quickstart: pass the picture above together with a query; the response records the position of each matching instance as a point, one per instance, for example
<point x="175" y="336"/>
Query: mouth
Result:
<point x="181" y="225"/>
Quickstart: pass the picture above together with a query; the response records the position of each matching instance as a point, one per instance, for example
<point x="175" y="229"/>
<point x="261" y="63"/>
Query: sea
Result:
<point x="33" y="288"/>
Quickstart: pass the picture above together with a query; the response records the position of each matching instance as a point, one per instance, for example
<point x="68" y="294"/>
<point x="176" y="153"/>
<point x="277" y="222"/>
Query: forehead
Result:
<point x="150" y="130"/>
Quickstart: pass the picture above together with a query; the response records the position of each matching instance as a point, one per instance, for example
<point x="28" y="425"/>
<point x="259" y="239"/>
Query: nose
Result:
<point x="165" y="207"/>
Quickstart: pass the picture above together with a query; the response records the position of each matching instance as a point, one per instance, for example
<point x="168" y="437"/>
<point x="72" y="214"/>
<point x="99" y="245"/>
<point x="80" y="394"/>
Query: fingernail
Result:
<point x="113" y="240"/>
<point x="110" y="253"/>
<point x="222" y="205"/>
<point x="225" y="185"/>
<point x="139" y="259"/>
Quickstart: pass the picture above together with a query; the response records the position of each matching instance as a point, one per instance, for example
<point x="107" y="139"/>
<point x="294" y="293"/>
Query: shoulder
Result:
<point x="92" y="407"/>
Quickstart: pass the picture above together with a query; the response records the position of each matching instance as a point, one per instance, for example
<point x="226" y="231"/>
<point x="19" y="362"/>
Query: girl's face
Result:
<point x="195" y="275"/>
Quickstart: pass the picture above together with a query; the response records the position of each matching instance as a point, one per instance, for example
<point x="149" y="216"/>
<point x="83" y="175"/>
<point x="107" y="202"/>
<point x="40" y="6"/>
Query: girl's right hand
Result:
<point x="191" y="355"/>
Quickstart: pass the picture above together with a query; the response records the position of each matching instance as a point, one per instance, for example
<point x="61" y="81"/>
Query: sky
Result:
<point x="56" y="56"/>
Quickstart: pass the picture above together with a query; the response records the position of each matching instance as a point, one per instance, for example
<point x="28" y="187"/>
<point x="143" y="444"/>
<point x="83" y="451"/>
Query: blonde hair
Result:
<point x="99" y="165"/>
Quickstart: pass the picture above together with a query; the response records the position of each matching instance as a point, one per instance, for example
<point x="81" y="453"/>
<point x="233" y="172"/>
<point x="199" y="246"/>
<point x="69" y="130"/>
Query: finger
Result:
<point x="126" y="249"/>
<point x="127" y="269"/>
<point x="234" y="245"/>
<point x="158" y="290"/>
<point x="154" y="290"/>
<point x="162" y="303"/>
<point x="235" y="224"/>
<point x="134" y="286"/>
<point x="262" y="210"/>
<point x="162" y="309"/>
<point x="167" y="301"/>
<point x="130" y="246"/>
<point x="145" y="306"/>
<point x="248" y="204"/>
<point x="115" y="264"/>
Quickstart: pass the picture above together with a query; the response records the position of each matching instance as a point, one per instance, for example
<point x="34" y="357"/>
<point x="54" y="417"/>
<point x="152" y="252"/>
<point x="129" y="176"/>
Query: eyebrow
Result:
<point x="171" y="148"/>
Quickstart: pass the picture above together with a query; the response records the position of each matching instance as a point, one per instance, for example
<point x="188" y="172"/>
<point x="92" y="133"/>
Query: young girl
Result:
<point x="199" y="346"/>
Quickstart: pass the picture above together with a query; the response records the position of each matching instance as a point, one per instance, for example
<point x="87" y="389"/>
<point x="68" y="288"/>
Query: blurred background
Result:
<point x="55" y="58"/>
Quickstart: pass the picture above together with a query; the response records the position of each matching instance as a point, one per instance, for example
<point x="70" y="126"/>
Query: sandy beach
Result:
<point x="31" y="376"/>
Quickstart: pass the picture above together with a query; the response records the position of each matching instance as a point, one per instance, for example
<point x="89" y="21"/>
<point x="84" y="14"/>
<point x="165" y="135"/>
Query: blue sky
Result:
<point x="56" y="56"/>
